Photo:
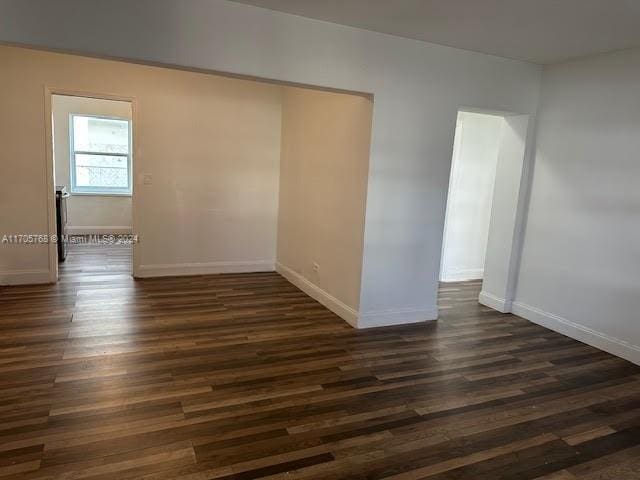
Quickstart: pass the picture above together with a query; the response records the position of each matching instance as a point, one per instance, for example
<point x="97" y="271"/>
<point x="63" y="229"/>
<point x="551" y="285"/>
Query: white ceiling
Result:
<point x="539" y="31"/>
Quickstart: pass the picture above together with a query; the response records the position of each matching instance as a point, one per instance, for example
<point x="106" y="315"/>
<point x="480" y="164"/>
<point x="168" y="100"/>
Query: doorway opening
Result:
<point x="481" y="237"/>
<point x="473" y="174"/>
<point x="92" y="158"/>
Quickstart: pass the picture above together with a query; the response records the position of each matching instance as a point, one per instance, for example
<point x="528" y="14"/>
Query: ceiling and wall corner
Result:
<point x="539" y="31"/>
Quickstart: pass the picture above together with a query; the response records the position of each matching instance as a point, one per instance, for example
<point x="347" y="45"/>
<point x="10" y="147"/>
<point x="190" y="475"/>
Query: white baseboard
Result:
<point x="462" y="275"/>
<point x="349" y="314"/>
<point x="91" y="230"/>
<point x="397" y="317"/>
<point x="24" y="277"/>
<point x="341" y="309"/>
<point x="599" y="340"/>
<point x="491" y="301"/>
<point x="211" y="268"/>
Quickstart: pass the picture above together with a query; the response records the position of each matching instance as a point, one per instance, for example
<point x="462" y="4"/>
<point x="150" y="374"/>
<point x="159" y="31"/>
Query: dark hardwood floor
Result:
<point x="244" y="376"/>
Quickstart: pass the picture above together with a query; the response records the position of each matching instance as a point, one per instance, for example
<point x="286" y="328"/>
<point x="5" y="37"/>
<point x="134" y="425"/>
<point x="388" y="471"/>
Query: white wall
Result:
<point x="508" y="210"/>
<point x="418" y="90"/>
<point x="323" y="185"/>
<point x="88" y="213"/>
<point x="473" y="173"/>
<point x="580" y="268"/>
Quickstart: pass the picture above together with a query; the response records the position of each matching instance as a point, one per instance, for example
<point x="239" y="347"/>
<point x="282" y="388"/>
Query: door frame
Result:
<point x="500" y="292"/>
<point x="50" y="167"/>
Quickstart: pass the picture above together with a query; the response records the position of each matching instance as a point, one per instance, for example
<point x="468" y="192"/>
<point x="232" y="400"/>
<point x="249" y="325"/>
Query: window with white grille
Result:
<point x="100" y="155"/>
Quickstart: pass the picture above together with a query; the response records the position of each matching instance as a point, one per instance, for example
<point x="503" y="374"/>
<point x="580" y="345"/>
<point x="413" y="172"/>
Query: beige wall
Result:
<point x="88" y="213"/>
<point x="323" y="183"/>
<point x="210" y="143"/>
<point x="212" y="146"/>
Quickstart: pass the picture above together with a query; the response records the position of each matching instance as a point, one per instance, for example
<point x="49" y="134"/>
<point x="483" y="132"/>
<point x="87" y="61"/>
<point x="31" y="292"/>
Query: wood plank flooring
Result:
<point x="244" y="376"/>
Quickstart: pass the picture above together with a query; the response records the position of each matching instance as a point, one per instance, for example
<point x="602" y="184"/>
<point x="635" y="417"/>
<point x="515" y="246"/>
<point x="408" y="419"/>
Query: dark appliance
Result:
<point x="61" y="221"/>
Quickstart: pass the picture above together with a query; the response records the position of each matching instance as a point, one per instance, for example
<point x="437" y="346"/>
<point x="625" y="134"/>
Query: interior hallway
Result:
<point x="244" y="376"/>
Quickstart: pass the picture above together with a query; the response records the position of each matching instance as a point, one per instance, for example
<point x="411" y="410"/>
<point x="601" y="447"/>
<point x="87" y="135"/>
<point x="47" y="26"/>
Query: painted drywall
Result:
<point x="211" y="145"/>
<point x="581" y="253"/>
<point x="418" y="88"/>
<point x="88" y="213"/>
<point x="507" y="213"/>
<point x="323" y="182"/>
<point x="473" y="173"/>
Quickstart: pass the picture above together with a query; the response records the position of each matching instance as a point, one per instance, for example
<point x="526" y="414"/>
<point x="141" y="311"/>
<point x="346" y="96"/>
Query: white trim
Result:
<point x="341" y="309"/>
<point x="500" y="304"/>
<point x="25" y="277"/>
<point x="88" y="230"/>
<point x="397" y="317"/>
<point x="102" y="194"/>
<point x="462" y="275"/>
<point x="599" y="340"/>
<point x="52" y="226"/>
<point x="210" y="268"/>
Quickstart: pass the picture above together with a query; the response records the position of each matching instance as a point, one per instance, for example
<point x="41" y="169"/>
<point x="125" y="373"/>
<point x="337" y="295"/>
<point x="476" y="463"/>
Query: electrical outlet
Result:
<point x="316" y="267"/>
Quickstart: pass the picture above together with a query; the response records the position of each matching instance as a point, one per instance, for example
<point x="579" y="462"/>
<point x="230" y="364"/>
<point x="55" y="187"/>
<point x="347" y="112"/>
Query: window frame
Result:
<point x="105" y="191"/>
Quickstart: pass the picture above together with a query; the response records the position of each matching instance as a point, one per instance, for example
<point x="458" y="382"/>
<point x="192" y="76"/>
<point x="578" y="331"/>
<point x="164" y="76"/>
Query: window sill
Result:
<point x="101" y="194"/>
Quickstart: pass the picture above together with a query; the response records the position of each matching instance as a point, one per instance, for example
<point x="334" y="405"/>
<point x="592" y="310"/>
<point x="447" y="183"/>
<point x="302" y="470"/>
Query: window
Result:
<point x="100" y="155"/>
